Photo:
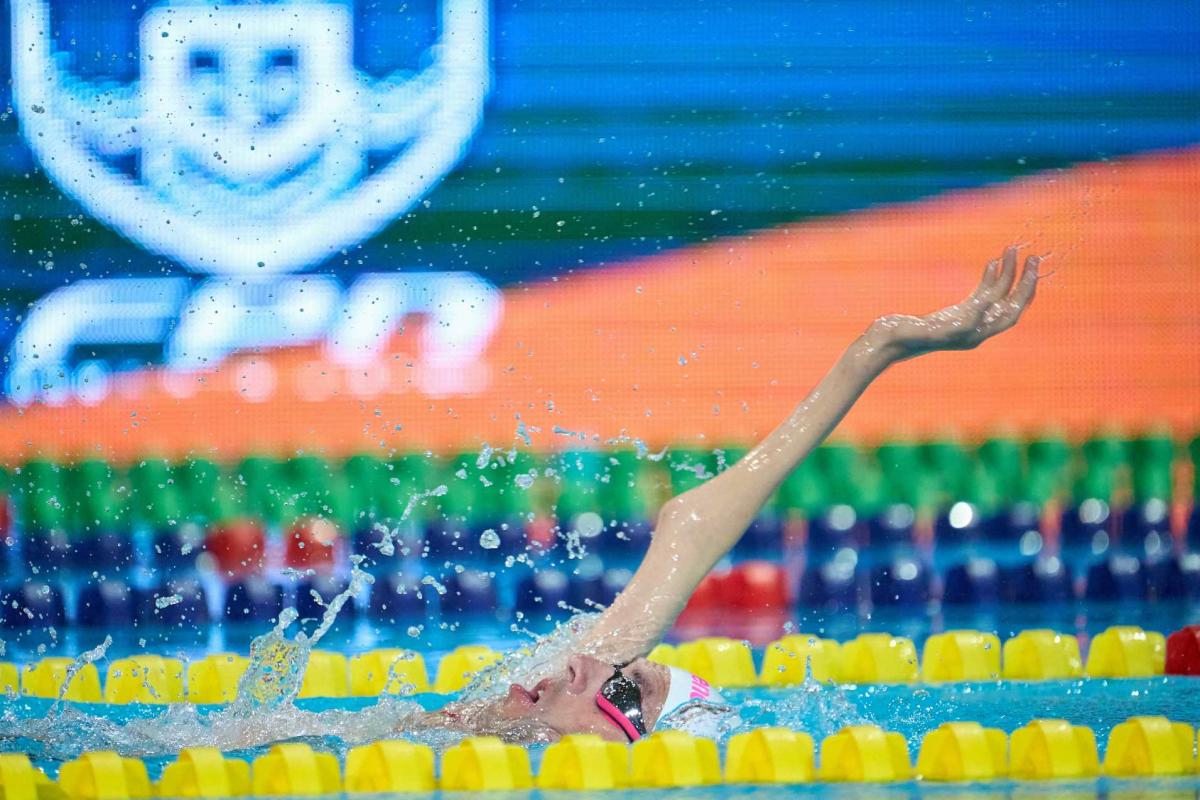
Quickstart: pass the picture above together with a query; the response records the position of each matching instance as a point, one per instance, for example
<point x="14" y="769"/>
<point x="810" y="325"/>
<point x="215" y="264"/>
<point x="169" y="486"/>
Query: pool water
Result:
<point x="336" y="725"/>
<point x="52" y="733"/>
<point x="817" y="709"/>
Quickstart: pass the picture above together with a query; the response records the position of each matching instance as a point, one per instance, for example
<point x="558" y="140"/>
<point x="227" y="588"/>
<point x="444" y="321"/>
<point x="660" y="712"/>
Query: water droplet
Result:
<point x="489" y="539"/>
<point x="589" y="524"/>
<point x="429" y="580"/>
<point x="485" y="455"/>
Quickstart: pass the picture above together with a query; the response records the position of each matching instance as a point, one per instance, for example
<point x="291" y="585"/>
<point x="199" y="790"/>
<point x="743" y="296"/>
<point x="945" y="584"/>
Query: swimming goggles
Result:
<point x="620" y="698"/>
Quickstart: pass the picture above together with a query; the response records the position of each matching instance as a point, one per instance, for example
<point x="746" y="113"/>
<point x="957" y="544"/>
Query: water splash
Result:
<point x="387" y="544"/>
<point x="263" y="712"/>
<point x="73" y="730"/>
<point x="274" y="666"/>
<point x="541" y="657"/>
<point x="639" y="446"/>
<point x="484" y="457"/>
<point x="523" y="432"/>
<point x="277" y="664"/>
<point x="83" y="659"/>
<point x="560" y="431"/>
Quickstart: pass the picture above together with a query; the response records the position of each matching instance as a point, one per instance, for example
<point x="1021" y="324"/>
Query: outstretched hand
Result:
<point x="993" y="307"/>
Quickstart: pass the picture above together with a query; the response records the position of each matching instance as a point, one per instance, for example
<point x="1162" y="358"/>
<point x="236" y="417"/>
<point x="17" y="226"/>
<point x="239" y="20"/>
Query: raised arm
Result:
<point x="696" y="529"/>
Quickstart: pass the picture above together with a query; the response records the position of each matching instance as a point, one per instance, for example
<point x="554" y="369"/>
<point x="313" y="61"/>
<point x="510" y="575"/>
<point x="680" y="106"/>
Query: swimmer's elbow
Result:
<point x="684" y="531"/>
<point x="672" y="519"/>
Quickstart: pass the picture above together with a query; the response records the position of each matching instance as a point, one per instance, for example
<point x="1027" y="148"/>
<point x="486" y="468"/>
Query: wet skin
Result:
<point x="566" y="703"/>
<point x="695" y="530"/>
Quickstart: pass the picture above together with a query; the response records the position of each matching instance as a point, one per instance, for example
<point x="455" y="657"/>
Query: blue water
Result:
<point x="821" y="710"/>
<point x="912" y="710"/>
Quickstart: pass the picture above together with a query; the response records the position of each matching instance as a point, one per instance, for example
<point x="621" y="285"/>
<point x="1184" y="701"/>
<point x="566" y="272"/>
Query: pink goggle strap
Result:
<point x="618" y="719"/>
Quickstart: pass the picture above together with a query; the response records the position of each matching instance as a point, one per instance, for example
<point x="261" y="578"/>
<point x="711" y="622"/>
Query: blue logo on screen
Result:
<point x="250" y="142"/>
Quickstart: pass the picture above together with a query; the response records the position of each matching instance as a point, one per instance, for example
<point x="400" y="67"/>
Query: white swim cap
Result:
<point x="686" y="687"/>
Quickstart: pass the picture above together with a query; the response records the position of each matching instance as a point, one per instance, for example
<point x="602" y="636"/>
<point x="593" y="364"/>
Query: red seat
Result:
<point x="1183" y="651"/>
<point x="311" y="542"/>
<point x="757" y="586"/>
<point x="238" y="547"/>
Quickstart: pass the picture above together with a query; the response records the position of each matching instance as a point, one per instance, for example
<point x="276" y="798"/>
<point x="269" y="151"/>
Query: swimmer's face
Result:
<point x="566" y="703"/>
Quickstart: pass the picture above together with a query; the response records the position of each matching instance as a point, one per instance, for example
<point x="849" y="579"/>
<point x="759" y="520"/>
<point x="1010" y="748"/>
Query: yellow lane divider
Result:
<point x="484" y="763"/>
<point x="963" y="751"/>
<point x="674" y="758"/>
<point x="295" y="770"/>
<point x="388" y="671"/>
<point x="787" y="660"/>
<point x="20" y="780"/>
<point x="144" y="679"/>
<point x="1125" y="651"/>
<point x="1053" y="748"/>
<point x="103" y="775"/>
<point x="1032" y="655"/>
<point x="214" y="678"/>
<point x="1036" y="655"/>
<point x="961" y="656"/>
<point x="326" y="675"/>
<point x="46" y="678"/>
<point x="771" y="755"/>
<point x="204" y="772"/>
<point x="864" y="753"/>
<point x="455" y="671"/>
<point x="869" y="658"/>
<point x="585" y="763"/>
<point x="9" y="680"/>
<point x="390" y="766"/>
<point x="878" y="658"/>
<point x="1147" y="746"/>
<point x="1045" y="749"/>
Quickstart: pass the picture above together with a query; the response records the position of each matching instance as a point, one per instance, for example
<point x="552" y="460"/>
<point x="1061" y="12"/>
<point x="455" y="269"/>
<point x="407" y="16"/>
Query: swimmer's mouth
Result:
<point x="528" y="697"/>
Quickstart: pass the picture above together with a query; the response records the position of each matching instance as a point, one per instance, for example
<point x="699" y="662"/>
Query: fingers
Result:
<point x="987" y="281"/>
<point x="1009" y="272"/>
<point x="1027" y="287"/>
<point x="1003" y="281"/>
<point x="1021" y="297"/>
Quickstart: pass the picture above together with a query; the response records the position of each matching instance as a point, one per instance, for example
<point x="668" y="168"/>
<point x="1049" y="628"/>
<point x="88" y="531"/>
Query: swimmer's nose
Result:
<point x="582" y="672"/>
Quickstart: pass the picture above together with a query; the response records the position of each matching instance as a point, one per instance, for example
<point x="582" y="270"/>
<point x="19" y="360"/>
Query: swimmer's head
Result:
<point x="568" y="702"/>
<point x="687" y="688"/>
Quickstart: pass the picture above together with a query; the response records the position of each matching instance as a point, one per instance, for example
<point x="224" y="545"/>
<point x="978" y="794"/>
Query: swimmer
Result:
<point x="608" y="687"/>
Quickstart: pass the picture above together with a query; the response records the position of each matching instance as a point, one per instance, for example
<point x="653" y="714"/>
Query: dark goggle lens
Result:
<point x="626" y="697"/>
